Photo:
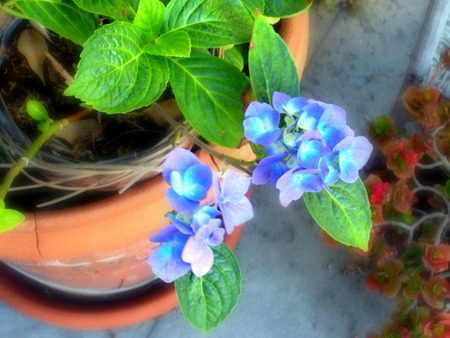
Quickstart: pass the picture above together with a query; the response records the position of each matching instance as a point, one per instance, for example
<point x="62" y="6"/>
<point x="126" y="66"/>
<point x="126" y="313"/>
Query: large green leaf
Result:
<point x="210" y="23"/>
<point x="343" y="212"/>
<point x="60" y="16"/>
<point x="206" y="301"/>
<point x="208" y="91"/>
<point x="150" y="17"/>
<point x="285" y="8"/>
<point x="115" y="9"/>
<point x="114" y="74"/>
<point x="271" y="65"/>
<point x="176" y="43"/>
<point x="254" y="5"/>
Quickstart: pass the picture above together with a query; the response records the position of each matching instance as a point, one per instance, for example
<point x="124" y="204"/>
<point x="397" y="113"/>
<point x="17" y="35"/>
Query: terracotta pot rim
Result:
<point x="31" y="302"/>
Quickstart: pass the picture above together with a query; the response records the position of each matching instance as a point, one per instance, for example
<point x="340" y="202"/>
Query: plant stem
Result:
<point x="239" y="164"/>
<point x="17" y="167"/>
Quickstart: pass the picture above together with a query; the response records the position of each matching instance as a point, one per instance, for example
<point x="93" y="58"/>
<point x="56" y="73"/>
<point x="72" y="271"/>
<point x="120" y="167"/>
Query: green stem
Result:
<point x="29" y="154"/>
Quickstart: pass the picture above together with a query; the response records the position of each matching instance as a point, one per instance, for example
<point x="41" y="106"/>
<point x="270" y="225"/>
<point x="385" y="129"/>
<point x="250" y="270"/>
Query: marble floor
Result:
<point x="293" y="286"/>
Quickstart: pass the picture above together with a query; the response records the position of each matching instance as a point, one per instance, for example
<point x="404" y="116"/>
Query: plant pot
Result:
<point x="91" y="248"/>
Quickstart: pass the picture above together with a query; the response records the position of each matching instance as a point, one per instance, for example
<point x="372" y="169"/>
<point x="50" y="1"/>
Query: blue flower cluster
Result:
<point x="308" y="145"/>
<point x="195" y="226"/>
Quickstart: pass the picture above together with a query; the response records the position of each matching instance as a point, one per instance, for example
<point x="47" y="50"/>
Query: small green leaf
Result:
<point x="115" y="9"/>
<point x="208" y="91"/>
<point x="210" y="23"/>
<point x="343" y="212"/>
<point x="2" y="204"/>
<point x="234" y="56"/>
<point x="149" y="18"/>
<point x="9" y="219"/>
<point x="271" y="65"/>
<point x="43" y="126"/>
<point x="37" y="111"/>
<point x="175" y="44"/>
<point x="285" y="8"/>
<point x="114" y="74"/>
<point x="206" y="301"/>
<point x="61" y="16"/>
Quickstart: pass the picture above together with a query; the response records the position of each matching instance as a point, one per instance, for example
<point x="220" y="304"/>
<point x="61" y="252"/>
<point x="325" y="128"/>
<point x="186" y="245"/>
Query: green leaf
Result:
<point x="343" y="212"/>
<point x="271" y="65"/>
<point x="176" y="44"/>
<point x="234" y="56"/>
<point x="149" y="18"/>
<point x="285" y="8"/>
<point x="447" y="189"/>
<point x="206" y="301"/>
<point x="114" y="74"/>
<point x="9" y="219"/>
<point x="210" y="23"/>
<point x="37" y="111"/>
<point x="60" y="16"/>
<point x="115" y="9"/>
<point x="208" y="91"/>
<point x="253" y="5"/>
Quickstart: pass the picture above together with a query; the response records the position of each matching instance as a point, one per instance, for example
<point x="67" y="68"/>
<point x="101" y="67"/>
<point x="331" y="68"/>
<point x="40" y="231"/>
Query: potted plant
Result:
<point x="303" y="147"/>
<point x="409" y="193"/>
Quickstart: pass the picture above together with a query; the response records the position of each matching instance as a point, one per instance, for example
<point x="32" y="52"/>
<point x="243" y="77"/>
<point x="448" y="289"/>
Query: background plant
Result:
<point x="409" y="194"/>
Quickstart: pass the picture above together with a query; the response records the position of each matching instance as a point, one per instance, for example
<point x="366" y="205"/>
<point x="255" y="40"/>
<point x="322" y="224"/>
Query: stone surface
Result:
<point x="293" y="286"/>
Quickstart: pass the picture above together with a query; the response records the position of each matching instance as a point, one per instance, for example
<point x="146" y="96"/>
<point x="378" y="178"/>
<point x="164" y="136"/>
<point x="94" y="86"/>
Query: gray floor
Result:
<point x="293" y="286"/>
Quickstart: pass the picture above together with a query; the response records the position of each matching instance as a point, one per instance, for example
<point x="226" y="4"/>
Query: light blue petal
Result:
<point x="279" y="100"/>
<point x="180" y="203"/>
<point x="179" y="159"/>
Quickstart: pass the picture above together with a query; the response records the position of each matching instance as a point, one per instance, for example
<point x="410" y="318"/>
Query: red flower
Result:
<point x="379" y="195"/>
<point x="402" y="197"/>
<point x="436" y="257"/>
<point x="435" y="292"/>
<point x="400" y="158"/>
<point x="386" y="279"/>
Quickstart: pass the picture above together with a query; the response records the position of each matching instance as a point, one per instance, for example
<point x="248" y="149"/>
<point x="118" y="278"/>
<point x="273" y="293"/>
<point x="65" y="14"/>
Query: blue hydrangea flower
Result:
<point x="230" y="198"/>
<point x="333" y="125"/>
<point x="311" y="149"/>
<point x="296" y="182"/>
<point x="261" y="123"/>
<point x="165" y="260"/>
<point x="270" y="168"/>
<point x="328" y="172"/>
<point x="189" y="178"/>
<point x="353" y="154"/>
<point x="286" y="104"/>
<point x="310" y="115"/>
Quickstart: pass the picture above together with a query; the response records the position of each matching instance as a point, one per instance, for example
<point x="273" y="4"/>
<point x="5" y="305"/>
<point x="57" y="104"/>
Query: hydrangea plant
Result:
<point x="304" y="147"/>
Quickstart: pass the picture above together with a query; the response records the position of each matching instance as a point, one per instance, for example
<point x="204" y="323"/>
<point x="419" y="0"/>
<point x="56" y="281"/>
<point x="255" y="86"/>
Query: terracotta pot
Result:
<point x="103" y="246"/>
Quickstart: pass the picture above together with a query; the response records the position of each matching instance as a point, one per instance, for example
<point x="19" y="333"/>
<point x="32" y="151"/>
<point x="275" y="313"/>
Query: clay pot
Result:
<point x="102" y="247"/>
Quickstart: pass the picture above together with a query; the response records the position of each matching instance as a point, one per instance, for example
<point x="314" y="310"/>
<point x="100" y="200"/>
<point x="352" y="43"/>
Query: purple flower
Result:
<point x="189" y="178"/>
<point x="165" y="260"/>
<point x="261" y="123"/>
<point x="297" y="181"/>
<point x="353" y="153"/>
<point x="197" y="250"/>
<point x="230" y="198"/>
